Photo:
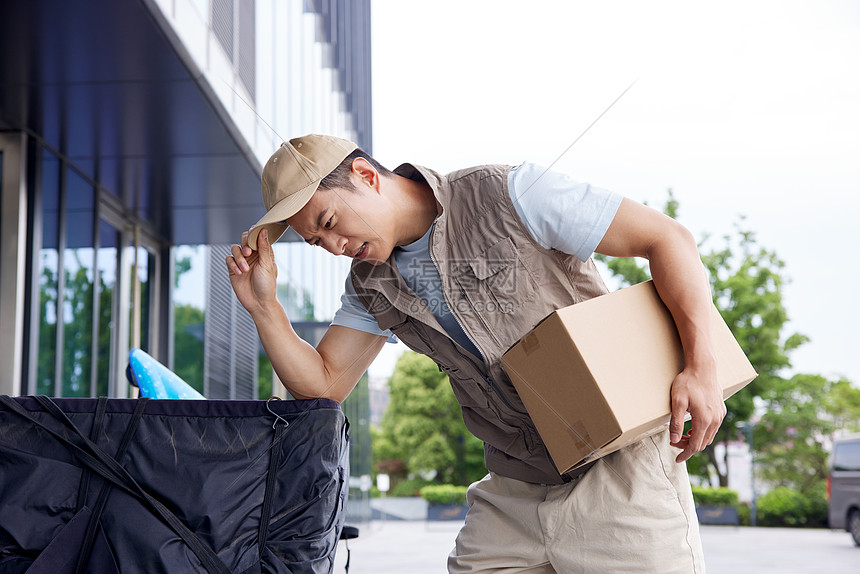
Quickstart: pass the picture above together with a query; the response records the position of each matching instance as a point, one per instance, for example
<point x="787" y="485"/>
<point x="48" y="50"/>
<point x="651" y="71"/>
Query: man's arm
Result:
<point x="639" y="231"/>
<point x="332" y="369"/>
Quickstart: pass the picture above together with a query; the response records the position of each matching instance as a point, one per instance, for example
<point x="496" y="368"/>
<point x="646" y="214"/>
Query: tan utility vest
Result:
<point x="499" y="283"/>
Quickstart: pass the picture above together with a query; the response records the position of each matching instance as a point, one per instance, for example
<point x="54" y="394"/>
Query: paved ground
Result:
<point x="419" y="547"/>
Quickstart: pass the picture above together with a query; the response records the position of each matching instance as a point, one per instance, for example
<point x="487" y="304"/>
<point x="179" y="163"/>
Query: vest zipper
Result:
<point x="453" y="312"/>
<point x="491" y="385"/>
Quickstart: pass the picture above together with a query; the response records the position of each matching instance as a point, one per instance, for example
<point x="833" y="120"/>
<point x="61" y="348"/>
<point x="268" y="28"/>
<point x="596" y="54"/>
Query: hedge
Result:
<point x="784" y="506"/>
<point x="721" y="496"/>
<point x="444" y="494"/>
<point x="409" y="487"/>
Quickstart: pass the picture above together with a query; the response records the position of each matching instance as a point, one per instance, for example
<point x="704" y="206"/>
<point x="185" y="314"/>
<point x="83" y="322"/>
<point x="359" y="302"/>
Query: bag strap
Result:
<point x="95" y="517"/>
<point x="101" y="406"/>
<point x="106" y="467"/>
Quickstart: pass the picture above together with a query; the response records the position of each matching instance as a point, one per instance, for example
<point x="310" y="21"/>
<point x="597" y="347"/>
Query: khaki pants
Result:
<point x="632" y="512"/>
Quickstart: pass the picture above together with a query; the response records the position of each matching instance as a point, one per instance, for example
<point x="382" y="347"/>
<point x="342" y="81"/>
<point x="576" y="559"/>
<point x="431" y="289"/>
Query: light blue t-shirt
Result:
<point x="559" y="212"/>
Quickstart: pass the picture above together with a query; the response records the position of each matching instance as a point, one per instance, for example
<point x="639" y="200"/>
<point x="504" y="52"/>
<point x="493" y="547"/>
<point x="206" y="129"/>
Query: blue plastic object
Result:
<point x="156" y="381"/>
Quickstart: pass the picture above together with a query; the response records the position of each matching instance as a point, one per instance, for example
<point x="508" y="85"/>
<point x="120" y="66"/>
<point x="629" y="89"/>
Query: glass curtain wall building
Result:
<point x="132" y="137"/>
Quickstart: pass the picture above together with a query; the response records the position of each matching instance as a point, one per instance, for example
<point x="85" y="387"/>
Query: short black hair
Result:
<point x="339" y="177"/>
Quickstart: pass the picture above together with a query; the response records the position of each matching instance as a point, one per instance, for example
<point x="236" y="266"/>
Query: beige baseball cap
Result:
<point x="292" y="175"/>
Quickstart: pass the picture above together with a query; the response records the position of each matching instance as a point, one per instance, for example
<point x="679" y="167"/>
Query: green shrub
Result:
<point x="722" y="496"/>
<point x="745" y="514"/>
<point x="409" y="487"/>
<point x="444" y="494"/>
<point x="783" y="506"/>
<point x="818" y="506"/>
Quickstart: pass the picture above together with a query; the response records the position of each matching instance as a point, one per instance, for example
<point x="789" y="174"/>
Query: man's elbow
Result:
<point x="673" y="237"/>
<point x="309" y="392"/>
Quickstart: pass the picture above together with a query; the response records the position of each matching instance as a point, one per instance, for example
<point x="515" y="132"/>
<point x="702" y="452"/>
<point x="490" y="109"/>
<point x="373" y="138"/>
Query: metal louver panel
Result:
<point x="233" y="23"/>
<point x="345" y="27"/>
<point x="222" y="24"/>
<point x="230" y="347"/>
<point x="247" y="47"/>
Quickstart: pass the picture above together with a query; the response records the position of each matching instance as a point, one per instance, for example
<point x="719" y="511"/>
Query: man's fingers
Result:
<point x="676" y="422"/>
<point x="697" y="438"/>
<point x="236" y="262"/>
<point x="701" y="434"/>
<point x="246" y="249"/>
<point x="683" y="444"/>
<point x="685" y="455"/>
<point x="707" y="409"/>
<point x="232" y="268"/>
<point x="687" y="450"/>
<point x="709" y="426"/>
<point x="264" y="235"/>
<point x="264" y="248"/>
<point x="712" y="432"/>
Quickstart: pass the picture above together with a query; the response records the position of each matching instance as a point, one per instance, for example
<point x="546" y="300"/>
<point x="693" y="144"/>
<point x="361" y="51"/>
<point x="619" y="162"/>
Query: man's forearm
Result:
<point x="297" y="363"/>
<point x="682" y="284"/>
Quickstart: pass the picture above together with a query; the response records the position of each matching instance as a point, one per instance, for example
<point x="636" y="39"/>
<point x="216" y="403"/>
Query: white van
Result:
<point x="843" y="486"/>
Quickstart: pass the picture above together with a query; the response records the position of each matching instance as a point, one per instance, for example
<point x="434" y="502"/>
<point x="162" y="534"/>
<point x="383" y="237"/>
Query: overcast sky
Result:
<point x="742" y="108"/>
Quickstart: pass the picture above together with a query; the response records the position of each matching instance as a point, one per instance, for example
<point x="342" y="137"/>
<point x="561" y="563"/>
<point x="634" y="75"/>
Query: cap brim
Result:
<point x="273" y="221"/>
<point x="275" y="231"/>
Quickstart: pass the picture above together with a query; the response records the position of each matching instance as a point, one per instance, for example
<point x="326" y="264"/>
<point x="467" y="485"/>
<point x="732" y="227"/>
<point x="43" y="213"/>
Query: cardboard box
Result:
<point x="596" y="376"/>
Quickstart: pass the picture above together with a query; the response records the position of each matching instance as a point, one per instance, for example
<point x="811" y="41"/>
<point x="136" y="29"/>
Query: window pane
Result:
<point x="48" y="275"/>
<point x="847" y="456"/>
<point x="188" y="314"/>
<point x="143" y="265"/>
<point x="79" y="265"/>
<point x="145" y="261"/>
<point x="109" y="241"/>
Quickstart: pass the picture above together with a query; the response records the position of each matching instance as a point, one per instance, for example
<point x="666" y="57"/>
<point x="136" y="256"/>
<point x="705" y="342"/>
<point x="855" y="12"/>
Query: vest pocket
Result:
<point x="497" y="280"/>
<point x="410" y="333"/>
<point x="468" y="391"/>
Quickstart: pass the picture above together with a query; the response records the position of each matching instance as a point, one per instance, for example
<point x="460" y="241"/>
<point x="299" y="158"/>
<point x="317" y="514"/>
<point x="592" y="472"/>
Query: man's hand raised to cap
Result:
<point x="332" y="369"/>
<point x="254" y="274"/>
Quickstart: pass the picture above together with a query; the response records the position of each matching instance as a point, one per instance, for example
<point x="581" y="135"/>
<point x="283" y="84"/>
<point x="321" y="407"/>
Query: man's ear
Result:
<point x="365" y="173"/>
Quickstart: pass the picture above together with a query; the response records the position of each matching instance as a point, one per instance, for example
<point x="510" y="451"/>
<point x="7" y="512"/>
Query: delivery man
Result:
<point x="459" y="267"/>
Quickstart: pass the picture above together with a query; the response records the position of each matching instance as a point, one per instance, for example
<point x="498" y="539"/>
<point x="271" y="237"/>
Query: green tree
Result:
<point x="48" y="317"/>
<point x="188" y="329"/>
<point x="105" y="333"/>
<point x="801" y="416"/>
<point x="842" y="403"/>
<point x="746" y="283"/>
<point x="188" y="344"/>
<point x="77" y="313"/>
<point x="423" y="426"/>
<point x="180" y="266"/>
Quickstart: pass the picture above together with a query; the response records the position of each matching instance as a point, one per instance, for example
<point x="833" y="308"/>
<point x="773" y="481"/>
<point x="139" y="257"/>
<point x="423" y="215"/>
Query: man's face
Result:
<point x="356" y="223"/>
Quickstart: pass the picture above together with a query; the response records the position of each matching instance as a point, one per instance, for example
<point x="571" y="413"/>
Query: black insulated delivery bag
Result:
<point x="138" y="486"/>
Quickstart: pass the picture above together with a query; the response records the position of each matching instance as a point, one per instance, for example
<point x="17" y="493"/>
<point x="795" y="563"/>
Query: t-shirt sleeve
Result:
<point x="559" y="212"/>
<point x="352" y="314"/>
